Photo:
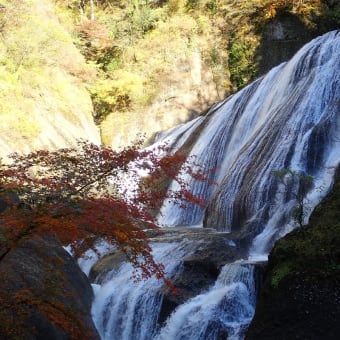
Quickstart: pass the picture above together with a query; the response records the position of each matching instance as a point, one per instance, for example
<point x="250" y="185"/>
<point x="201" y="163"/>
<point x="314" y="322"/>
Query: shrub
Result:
<point x="107" y="98"/>
<point x="242" y="65"/>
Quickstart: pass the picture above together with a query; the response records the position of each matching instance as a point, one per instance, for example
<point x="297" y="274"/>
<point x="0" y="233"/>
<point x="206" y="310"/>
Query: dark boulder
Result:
<point x="44" y="294"/>
<point x="202" y="266"/>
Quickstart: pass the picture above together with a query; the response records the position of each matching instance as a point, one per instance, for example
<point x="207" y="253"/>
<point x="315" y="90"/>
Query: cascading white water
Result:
<point x="124" y="309"/>
<point x="288" y="119"/>
<point x="227" y="306"/>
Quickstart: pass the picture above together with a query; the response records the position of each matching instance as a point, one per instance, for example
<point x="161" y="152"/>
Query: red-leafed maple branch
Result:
<point x="83" y="194"/>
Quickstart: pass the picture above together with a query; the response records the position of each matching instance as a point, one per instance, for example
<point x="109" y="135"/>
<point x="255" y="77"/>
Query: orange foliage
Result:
<point x="95" y="39"/>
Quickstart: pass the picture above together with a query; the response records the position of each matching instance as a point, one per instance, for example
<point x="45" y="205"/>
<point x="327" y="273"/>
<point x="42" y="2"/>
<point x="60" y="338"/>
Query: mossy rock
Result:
<point x="300" y="298"/>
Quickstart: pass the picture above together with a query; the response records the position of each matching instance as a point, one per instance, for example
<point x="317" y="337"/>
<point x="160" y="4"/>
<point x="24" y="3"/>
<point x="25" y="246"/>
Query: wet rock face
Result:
<point x="44" y="294"/>
<point x="201" y="268"/>
<point x="299" y="309"/>
<point x="106" y="264"/>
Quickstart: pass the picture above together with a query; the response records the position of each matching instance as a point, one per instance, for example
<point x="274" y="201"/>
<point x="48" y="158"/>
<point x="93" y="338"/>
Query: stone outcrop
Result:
<point x="281" y="38"/>
<point x="44" y="294"/>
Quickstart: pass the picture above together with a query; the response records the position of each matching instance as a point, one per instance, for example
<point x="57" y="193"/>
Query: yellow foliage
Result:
<point x="40" y="70"/>
<point x="270" y="12"/>
<point x="304" y="8"/>
<point x="110" y="95"/>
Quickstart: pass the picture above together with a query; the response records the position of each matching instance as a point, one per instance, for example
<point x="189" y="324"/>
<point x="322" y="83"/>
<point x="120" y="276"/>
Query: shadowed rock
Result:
<point x="44" y="294"/>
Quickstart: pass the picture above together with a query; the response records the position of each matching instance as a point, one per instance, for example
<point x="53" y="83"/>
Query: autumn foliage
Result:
<point x="273" y="7"/>
<point x="80" y="195"/>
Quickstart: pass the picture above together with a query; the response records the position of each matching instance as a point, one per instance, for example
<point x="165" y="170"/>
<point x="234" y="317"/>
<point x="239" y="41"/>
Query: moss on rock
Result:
<point x="300" y="298"/>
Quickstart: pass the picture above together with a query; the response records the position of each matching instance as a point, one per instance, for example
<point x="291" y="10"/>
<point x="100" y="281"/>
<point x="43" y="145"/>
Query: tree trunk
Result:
<point x="82" y="10"/>
<point x="92" y="9"/>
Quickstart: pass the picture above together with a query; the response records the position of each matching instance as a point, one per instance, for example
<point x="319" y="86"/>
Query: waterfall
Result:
<point x="225" y="309"/>
<point x="125" y="309"/>
<point x="288" y="119"/>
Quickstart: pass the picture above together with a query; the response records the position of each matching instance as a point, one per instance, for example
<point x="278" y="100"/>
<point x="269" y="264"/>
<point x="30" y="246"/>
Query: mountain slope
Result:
<point x="43" y="100"/>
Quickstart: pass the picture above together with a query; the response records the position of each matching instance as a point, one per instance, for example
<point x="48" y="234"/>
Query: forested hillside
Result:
<point x="43" y="99"/>
<point x="149" y="65"/>
<point x="159" y="63"/>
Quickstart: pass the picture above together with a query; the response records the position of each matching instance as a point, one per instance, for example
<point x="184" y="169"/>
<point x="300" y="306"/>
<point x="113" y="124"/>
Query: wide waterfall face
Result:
<point x="289" y="119"/>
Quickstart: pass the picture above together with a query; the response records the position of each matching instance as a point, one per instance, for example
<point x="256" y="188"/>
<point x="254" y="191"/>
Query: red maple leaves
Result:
<point x="83" y="194"/>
